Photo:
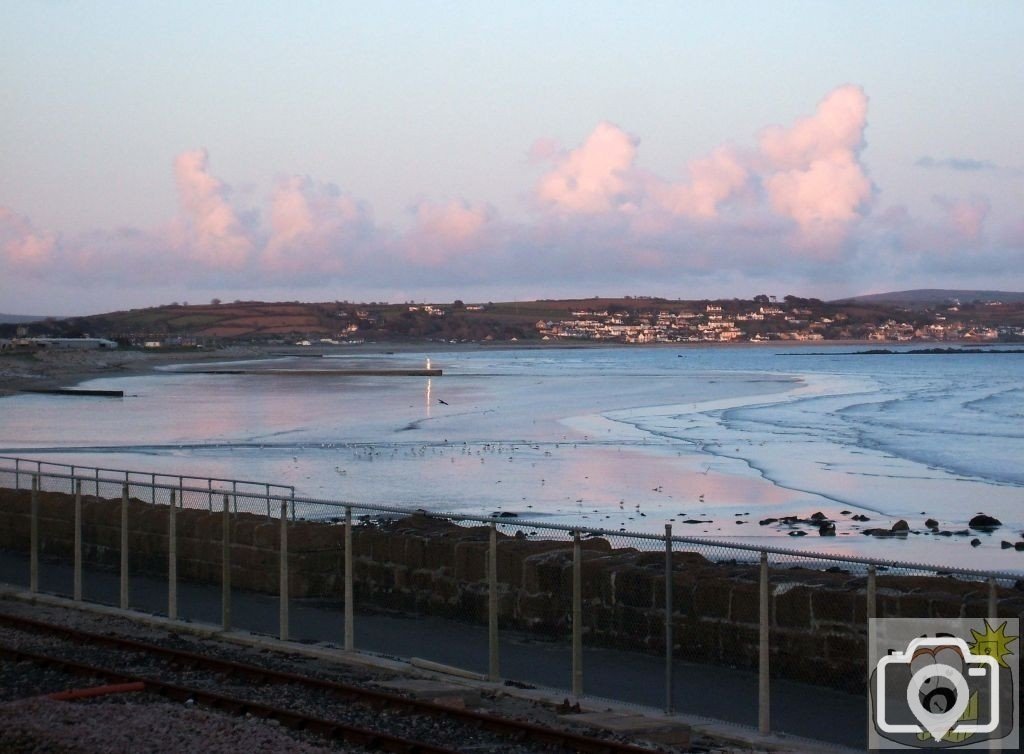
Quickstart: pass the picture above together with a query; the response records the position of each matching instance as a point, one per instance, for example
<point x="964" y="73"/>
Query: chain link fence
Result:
<point x="641" y="618"/>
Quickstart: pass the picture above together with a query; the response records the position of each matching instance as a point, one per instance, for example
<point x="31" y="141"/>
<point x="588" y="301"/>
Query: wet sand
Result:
<point x="66" y="368"/>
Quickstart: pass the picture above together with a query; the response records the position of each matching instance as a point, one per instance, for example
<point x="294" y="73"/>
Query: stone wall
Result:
<point x="422" y="565"/>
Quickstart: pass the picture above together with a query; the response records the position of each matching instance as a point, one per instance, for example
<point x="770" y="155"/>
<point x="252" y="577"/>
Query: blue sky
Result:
<point x="166" y="151"/>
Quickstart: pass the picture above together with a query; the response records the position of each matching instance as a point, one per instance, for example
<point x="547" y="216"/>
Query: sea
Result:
<point x="711" y="440"/>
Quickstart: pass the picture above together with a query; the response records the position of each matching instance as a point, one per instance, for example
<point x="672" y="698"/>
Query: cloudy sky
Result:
<point x="152" y="152"/>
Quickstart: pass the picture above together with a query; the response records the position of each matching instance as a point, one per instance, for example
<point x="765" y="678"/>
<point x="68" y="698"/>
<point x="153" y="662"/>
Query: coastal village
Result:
<point x="763" y="322"/>
<point x="634" y="320"/>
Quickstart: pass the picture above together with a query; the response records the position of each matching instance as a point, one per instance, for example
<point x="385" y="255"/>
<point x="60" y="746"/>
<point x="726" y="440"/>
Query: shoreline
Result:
<point x="740" y="490"/>
<point x="67" y="369"/>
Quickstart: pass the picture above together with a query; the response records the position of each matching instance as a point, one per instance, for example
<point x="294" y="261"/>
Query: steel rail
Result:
<point x="516" y="728"/>
<point x="297" y="721"/>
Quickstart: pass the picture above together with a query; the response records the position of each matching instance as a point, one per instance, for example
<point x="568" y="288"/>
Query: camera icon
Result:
<point x="941" y="679"/>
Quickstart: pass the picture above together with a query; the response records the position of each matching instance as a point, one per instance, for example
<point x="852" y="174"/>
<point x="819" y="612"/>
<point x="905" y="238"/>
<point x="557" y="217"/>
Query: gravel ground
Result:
<point x="145" y="722"/>
<point x="42" y="725"/>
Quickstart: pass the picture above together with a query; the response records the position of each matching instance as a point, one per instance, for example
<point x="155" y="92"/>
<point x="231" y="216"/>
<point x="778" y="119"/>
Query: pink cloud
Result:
<point x="813" y="174"/>
<point x="22" y="247"/>
<point x="837" y="127"/>
<point x="795" y="204"/>
<point x="965" y="218"/>
<point x="314" y="228"/>
<point x="210" y="229"/>
<point x="713" y="180"/>
<point x="808" y="173"/>
<point x="447" y="231"/>
<point x="544" y="150"/>
<point x="596" y="177"/>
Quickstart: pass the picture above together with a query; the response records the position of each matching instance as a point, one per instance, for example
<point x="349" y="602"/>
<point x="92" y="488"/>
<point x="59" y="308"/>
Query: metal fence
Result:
<point x="150" y="480"/>
<point x="767" y="567"/>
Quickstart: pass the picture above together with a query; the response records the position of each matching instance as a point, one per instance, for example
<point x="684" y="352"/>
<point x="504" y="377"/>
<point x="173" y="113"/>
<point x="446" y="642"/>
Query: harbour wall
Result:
<point x="424" y="565"/>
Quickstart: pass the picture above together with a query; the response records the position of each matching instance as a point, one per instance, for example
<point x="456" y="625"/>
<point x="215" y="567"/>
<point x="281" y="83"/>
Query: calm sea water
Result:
<point x="618" y="438"/>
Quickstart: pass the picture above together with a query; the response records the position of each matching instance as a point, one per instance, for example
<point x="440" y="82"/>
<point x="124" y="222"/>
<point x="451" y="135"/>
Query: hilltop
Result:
<point x="626" y="319"/>
<point x="18" y="318"/>
<point x="934" y="297"/>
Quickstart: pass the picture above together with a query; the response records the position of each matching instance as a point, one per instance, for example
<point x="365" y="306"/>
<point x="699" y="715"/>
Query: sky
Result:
<point x="492" y="151"/>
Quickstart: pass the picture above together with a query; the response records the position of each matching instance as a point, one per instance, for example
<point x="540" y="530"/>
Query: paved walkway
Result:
<point x="707" y="691"/>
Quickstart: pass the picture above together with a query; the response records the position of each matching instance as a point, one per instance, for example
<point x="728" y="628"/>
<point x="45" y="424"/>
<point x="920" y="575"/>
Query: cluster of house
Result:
<point x="904" y="332"/>
<point x="56" y="344"/>
<point x="711" y="325"/>
<point x="757" y="324"/>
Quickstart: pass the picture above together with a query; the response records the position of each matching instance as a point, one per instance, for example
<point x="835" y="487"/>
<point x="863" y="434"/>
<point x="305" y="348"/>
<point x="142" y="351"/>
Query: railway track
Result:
<point x="183" y="675"/>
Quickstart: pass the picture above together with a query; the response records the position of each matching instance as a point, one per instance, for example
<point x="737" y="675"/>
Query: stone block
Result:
<point x="711" y="600"/>
<point x="421" y="579"/>
<point x="471" y="561"/>
<point x="846" y="649"/>
<point x="914" y="606"/>
<point x="538" y="611"/>
<point x="543" y="573"/>
<point x="696" y="640"/>
<point x="682" y="595"/>
<point x="887" y="604"/>
<point x="833" y="606"/>
<point x="439" y="552"/>
<point x="379" y="575"/>
<point x="791" y="606"/>
<point x="208" y="526"/>
<point x="473" y="605"/>
<point x="738" y="646"/>
<point x="745" y="602"/>
<point x="634" y="586"/>
<point x="596" y="572"/>
<point x="945" y="606"/>
<point x="414" y="551"/>
<point x="244" y="532"/>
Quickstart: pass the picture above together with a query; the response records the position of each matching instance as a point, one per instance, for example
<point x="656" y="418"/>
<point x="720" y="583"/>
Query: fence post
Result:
<point x="225" y="560"/>
<point x="283" y="617"/>
<point x="577" y="616"/>
<point x="17" y="473"/>
<point x="209" y="494"/>
<point x="33" y="537"/>
<point x="268" y="501"/>
<point x="172" y="559"/>
<point x="350" y="635"/>
<point x="763" y="691"/>
<point x="152" y="487"/>
<point x="234" y="496"/>
<point x="993" y="598"/>
<point x="493" y="667"/>
<point x="293" y="503"/>
<point x="668" y="619"/>
<point x="97" y="482"/>
<point x="78" y="541"/>
<point x="124" y="546"/>
<point x="871" y="608"/>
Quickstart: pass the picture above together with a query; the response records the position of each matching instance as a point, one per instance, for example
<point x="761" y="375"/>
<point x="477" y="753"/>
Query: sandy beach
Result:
<point x="66" y="368"/>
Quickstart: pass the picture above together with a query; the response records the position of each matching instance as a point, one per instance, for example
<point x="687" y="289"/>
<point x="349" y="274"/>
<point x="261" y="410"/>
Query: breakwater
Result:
<point x="74" y="391"/>
<point x="323" y="372"/>
<point x="426" y="565"/>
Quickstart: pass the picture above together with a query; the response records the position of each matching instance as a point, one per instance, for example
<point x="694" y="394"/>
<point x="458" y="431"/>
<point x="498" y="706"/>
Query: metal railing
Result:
<point x="765" y="561"/>
<point x="213" y="485"/>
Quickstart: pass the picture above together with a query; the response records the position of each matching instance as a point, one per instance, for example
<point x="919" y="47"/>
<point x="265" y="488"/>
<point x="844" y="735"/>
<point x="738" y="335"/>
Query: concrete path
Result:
<point x="701" y="690"/>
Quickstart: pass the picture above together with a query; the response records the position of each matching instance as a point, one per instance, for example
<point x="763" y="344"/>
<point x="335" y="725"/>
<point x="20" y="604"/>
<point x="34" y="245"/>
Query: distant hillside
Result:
<point x="640" y="318"/>
<point x="17" y="319"/>
<point x="932" y="297"/>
